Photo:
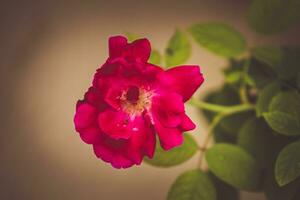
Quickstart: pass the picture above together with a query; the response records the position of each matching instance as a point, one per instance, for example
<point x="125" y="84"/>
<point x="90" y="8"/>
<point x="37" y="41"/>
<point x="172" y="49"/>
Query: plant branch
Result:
<point x="211" y="128"/>
<point x="243" y="89"/>
<point x="221" y="109"/>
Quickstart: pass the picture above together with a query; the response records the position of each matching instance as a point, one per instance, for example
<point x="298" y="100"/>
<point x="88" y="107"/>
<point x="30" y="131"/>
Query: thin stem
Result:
<point x="221" y="109"/>
<point x="243" y="89"/>
<point x="211" y="128"/>
<point x="207" y="106"/>
<point x="223" y="112"/>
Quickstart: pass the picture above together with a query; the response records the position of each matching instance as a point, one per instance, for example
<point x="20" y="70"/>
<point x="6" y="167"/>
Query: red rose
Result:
<point x="130" y="101"/>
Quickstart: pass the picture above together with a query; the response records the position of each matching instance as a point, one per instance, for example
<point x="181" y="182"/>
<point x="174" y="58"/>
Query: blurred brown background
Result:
<point x="48" y="54"/>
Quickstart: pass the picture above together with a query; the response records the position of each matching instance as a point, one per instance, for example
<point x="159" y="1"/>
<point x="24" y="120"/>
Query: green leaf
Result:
<point x="265" y="97"/>
<point x="192" y="185"/>
<point x="174" y="156"/>
<point x="284" y="61"/>
<point x="221" y="136"/>
<point x="155" y="57"/>
<point x="234" y="74"/>
<point x="132" y="36"/>
<point x="233" y="123"/>
<point x="274" y="192"/>
<point x="269" y="55"/>
<point x="287" y="166"/>
<point x="283" y="123"/>
<point x="224" y="191"/>
<point x="273" y="16"/>
<point x="233" y="77"/>
<point x="178" y="49"/>
<point x="219" y="38"/>
<point x="259" y="140"/>
<point x="234" y="166"/>
<point x="284" y="113"/>
<point x="260" y="73"/>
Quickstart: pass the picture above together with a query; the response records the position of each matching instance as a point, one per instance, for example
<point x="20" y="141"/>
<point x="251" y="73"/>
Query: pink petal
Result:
<point x="183" y="80"/>
<point x="167" y="108"/>
<point x="116" y="45"/>
<point x="115" y="124"/>
<point x="149" y="146"/>
<point x="138" y="49"/>
<point x="141" y="143"/>
<point x="169" y="137"/>
<point x="90" y="135"/>
<point x="112" y="155"/>
<point x="186" y="123"/>
<point x="85" y="115"/>
<point x="118" y="124"/>
<point x="113" y="96"/>
<point x="93" y="97"/>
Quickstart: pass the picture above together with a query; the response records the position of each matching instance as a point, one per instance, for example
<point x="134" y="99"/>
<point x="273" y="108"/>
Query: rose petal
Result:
<point x="115" y="123"/>
<point x="113" y="154"/>
<point x="90" y="135"/>
<point x="183" y="80"/>
<point x="113" y="96"/>
<point x="140" y="49"/>
<point x="116" y="45"/>
<point x="169" y="137"/>
<point x="167" y="108"/>
<point x="118" y="124"/>
<point x="93" y="97"/>
<point x="186" y="123"/>
<point x="85" y="115"/>
<point x="141" y="143"/>
<point x="149" y="146"/>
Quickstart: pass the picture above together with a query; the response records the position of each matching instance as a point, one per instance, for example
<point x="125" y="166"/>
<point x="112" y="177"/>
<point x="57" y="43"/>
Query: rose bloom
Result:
<point x="131" y="101"/>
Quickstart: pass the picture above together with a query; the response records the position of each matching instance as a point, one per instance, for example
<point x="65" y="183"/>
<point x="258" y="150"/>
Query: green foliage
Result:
<point x="155" y="57"/>
<point x="234" y="74"/>
<point x="219" y="38"/>
<point x="255" y="145"/>
<point x="273" y="16"/>
<point x="220" y="135"/>
<point x="265" y="97"/>
<point x="283" y="61"/>
<point x="233" y="77"/>
<point x="287" y="166"/>
<point x="260" y="141"/>
<point x="224" y="191"/>
<point x="178" y="49"/>
<point x="132" y="36"/>
<point x="269" y="55"/>
<point x="234" y="166"/>
<point x="228" y="96"/>
<point x="175" y="156"/>
<point x="193" y="185"/>
<point x="233" y="123"/>
<point x="260" y="74"/>
<point x="284" y="113"/>
<point x="274" y="192"/>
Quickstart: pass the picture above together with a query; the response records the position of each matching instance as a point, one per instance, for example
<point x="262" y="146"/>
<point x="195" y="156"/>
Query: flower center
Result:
<point x="135" y="100"/>
<point x="132" y="94"/>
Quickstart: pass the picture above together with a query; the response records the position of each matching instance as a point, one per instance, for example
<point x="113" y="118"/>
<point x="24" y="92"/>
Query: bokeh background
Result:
<point x="49" y="51"/>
